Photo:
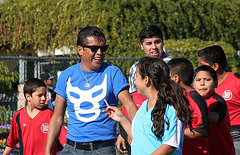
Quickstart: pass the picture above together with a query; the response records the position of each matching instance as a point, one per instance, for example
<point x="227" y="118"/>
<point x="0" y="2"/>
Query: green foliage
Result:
<point x="55" y="23"/>
<point x="48" y="24"/>
<point x="189" y="48"/>
<point x="7" y="79"/>
<point x="5" y="117"/>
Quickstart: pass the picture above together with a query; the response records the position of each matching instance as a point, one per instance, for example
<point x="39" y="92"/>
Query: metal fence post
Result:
<point x="21" y="70"/>
<point x="36" y="69"/>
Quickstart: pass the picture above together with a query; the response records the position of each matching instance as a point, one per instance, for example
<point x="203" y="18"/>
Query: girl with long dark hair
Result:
<point x="158" y="126"/>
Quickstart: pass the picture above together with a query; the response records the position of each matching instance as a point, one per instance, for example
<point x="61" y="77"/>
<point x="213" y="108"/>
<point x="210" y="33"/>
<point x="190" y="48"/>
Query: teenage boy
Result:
<point x="228" y="86"/>
<point x="220" y="139"/>
<point x="151" y="42"/>
<point x="196" y="141"/>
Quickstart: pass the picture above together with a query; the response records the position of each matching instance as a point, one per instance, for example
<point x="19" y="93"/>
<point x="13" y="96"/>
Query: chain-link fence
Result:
<point x="29" y="67"/>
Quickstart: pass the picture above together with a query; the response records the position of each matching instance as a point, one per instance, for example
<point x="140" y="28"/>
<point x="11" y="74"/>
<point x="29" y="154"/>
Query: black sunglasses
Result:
<point x="95" y="48"/>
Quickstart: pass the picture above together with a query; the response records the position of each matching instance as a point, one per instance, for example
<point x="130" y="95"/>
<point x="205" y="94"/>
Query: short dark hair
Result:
<point x="213" y="54"/>
<point x="182" y="68"/>
<point x="149" y="32"/>
<point x="208" y="69"/>
<point x="31" y="85"/>
<point x="89" y="31"/>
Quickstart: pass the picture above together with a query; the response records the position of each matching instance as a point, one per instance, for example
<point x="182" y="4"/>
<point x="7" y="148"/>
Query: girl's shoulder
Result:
<point x="170" y="109"/>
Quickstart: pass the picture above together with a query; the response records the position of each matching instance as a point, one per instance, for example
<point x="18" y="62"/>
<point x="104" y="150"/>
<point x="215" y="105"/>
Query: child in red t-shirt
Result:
<point x="220" y="139"/>
<point x="195" y="141"/>
<point x="29" y="125"/>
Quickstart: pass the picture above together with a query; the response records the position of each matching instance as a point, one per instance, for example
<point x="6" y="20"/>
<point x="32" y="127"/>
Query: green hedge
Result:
<point x="7" y="78"/>
<point x="189" y="48"/>
<point x="30" y="24"/>
<point x="48" y="24"/>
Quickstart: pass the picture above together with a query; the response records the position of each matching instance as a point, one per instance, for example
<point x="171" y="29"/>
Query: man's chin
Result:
<point x="155" y="55"/>
<point x="97" y="65"/>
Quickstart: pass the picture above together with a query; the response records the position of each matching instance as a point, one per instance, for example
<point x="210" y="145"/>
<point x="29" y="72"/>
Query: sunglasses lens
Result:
<point x="94" y="48"/>
<point x="104" y="48"/>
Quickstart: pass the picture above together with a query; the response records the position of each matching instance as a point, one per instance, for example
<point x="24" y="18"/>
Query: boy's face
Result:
<point x="38" y="98"/>
<point x="49" y="83"/>
<point x="204" y="84"/>
<point x="153" y="47"/>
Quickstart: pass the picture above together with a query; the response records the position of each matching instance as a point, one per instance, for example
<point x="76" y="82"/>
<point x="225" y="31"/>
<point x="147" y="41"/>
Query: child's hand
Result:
<point x="114" y="113"/>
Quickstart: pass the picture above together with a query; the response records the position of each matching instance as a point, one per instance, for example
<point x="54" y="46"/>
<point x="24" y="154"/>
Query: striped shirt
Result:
<point x="133" y="70"/>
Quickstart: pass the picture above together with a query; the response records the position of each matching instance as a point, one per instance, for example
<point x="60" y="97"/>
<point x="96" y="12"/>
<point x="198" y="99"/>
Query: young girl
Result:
<point x="220" y="140"/>
<point x="158" y="127"/>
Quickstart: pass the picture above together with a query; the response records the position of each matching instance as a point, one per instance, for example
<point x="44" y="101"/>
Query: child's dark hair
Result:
<point x="31" y="85"/>
<point x="213" y="54"/>
<point x="182" y="68"/>
<point x="169" y="93"/>
<point x="208" y="69"/>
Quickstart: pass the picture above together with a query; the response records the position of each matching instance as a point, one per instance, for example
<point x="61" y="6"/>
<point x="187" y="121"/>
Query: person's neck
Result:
<point x="152" y="98"/>
<point x="185" y="87"/>
<point x="32" y="111"/>
<point x="222" y="75"/>
<point x="88" y="69"/>
<point x="209" y="96"/>
<point x="162" y="55"/>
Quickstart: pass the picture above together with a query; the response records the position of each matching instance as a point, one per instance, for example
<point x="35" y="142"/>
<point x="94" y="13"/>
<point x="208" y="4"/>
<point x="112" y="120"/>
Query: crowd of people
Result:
<point x="168" y="108"/>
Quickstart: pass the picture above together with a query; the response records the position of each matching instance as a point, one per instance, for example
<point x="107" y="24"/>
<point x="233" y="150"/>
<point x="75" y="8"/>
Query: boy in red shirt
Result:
<point x="228" y="86"/>
<point x="220" y="140"/>
<point x="29" y="125"/>
<point x="195" y="141"/>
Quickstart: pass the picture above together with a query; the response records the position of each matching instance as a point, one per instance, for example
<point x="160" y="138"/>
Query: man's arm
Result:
<point x="125" y="98"/>
<point x="55" y="123"/>
<point x="121" y="142"/>
<point x="116" y="114"/>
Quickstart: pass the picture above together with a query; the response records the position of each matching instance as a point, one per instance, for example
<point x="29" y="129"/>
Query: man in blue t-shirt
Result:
<point x="85" y="87"/>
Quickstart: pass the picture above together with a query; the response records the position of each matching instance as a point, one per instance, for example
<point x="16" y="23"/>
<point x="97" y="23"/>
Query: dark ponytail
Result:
<point x="169" y="93"/>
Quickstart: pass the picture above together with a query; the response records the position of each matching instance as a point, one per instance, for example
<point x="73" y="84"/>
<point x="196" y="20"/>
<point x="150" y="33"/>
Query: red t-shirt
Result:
<point x="32" y="132"/>
<point x="229" y="89"/>
<point x="200" y="123"/>
<point x="137" y="99"/>
<point x="220" y="139"/>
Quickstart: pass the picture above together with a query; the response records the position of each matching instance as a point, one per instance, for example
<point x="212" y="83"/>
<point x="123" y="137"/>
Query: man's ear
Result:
<point x="141" y="46"/>
<point x="215" y="66"/>
<point x="80" y="50"/>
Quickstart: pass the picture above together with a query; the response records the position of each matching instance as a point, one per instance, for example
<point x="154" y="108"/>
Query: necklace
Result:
<point x="87" y="83"/>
